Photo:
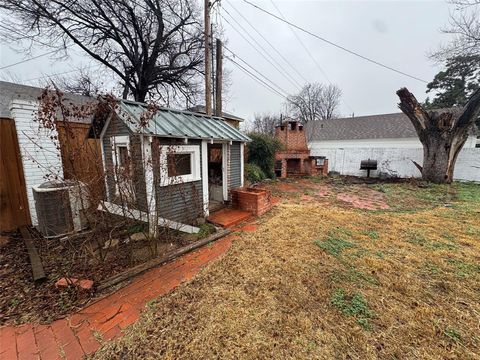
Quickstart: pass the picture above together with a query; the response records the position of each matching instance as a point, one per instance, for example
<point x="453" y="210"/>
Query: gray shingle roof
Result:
<point x="179" y="124"/>
<point x="11" y="91"/>
<point x="384" y="126"/>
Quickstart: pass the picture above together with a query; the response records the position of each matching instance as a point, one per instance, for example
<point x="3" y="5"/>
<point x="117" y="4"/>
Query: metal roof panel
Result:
<point x="175" y="123"/>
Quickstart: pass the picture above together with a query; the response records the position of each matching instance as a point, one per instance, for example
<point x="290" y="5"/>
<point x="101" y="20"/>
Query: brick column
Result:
<point x="325" y="167"/>
<point x="313" y="167"/>
<point x="284" y="168"/>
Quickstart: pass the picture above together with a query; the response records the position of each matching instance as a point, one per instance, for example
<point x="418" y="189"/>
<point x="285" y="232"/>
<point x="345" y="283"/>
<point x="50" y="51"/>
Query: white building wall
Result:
<point x="40" y="157"/>
<point x="398" y="143"/>
<point x="393" y="161"/>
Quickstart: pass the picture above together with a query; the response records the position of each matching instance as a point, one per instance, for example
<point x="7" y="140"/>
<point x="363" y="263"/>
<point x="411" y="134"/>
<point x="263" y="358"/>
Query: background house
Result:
<point x="388" y="138"/>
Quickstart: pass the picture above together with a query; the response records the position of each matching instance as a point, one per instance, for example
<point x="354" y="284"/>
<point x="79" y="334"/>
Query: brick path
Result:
<point x="105" y="319"/>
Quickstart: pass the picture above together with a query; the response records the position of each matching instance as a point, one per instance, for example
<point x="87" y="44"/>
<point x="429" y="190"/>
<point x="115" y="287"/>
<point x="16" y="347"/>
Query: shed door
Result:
<point x="14" y="210"/>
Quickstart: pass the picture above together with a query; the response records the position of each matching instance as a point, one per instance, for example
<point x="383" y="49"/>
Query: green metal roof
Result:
<point x="176" y="123"/>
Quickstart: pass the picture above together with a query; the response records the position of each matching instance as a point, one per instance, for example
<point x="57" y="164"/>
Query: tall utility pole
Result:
<point x="213" y="67"/>
<point x="208" y="83"/>
<point x="218" y="79"/>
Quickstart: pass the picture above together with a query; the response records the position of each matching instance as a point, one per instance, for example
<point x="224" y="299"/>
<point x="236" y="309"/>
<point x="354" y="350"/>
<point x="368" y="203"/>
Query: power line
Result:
<point x="283" y="71"/>
<point x="303" y="44"/>
<point x="334" y="44"/>
<point x="56" y="74"/>
<point x="25" y="36"/>
<point x="262" y="52"/>
<point x="253" y="76"/>
<point x="258" y="72"/>
<point x="269" y="43"/>
<point x="29" y="59"/>
<point x="309" y="53"/>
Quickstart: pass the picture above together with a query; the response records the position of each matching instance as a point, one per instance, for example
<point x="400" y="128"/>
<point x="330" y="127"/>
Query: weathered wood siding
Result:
<point x="182" y="202"/>
<point x="117" y="128"/>
<point x="235" y="179"/>
<point x="81" y="156"/>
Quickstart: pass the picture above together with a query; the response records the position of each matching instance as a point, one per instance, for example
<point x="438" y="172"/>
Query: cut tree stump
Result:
<point x="35" y="261"/>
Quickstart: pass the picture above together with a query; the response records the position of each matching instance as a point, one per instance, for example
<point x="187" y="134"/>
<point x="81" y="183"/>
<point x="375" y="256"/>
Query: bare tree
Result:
<point x="465" y="27"/>
<point x="152" y="46"/>
<point x="315" y="102"/>
<point x="82" y="83"/>
<point x="264" y="123"/>
<point x="442" y="134"/>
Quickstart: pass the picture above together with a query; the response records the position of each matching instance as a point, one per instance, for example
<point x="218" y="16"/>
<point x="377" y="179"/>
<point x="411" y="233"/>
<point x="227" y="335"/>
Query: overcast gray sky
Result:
<point x="397" y="33"/>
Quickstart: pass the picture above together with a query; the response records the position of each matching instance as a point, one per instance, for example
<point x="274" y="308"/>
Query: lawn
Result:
<point x="336" y="270"/>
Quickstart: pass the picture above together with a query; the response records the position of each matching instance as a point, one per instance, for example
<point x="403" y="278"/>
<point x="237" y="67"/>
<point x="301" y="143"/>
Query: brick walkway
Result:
<point x="105" y="319"/>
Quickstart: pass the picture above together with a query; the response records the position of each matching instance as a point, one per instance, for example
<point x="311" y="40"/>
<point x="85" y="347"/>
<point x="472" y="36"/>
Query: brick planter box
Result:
<point x="255" y="200"/>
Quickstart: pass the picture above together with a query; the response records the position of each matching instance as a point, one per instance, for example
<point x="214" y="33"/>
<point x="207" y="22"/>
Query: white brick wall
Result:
<point x="395" y="161"/>
<point x="39" y="154"/>
<point x="396" y="143"/>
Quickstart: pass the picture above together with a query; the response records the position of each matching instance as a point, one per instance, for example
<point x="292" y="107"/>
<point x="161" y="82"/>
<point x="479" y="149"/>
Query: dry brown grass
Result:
<point x="271" y="295"/>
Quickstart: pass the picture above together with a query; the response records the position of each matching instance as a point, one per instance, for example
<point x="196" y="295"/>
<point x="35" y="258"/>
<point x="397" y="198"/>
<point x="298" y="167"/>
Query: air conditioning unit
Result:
<point x="60" y="207"/>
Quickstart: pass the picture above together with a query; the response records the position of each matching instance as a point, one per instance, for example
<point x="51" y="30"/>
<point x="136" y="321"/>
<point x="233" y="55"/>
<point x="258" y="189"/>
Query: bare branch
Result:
<point x="149" y="45"/>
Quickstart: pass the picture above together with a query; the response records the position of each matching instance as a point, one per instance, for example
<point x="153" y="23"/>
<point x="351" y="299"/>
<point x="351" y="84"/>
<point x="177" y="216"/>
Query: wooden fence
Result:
<point x="14" y="211"/>
<point x="81" y="156"/>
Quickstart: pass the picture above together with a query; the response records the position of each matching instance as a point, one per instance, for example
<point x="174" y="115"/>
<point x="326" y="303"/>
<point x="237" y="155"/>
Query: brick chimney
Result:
<point x="292" y="135"/>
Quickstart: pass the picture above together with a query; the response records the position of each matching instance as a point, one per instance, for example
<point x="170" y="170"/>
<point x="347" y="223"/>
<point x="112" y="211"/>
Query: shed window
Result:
<point x="122" y="172"/>
<point x="122" y="155"/>
<point x="319" y="161"/>
<point x="179" y="164"/>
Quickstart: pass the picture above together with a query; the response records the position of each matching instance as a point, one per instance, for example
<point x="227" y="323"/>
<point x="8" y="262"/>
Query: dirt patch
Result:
<point x="283" y="186"/>
<point x="367" y="199"/>
<point x="24" y="301"/>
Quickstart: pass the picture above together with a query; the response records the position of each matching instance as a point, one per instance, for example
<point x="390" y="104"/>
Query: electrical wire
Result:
<point x="269" y="43"/>
<point x="57" y="74"/>
<point x="319" y="67"/>
<point x="29" y="59"/>
<point x="284" y="72"/>
<point x="258" y="72"/>
<point x="302" y="44"/>
<point x="253" y="76"/>
<point x="334" y="44"/>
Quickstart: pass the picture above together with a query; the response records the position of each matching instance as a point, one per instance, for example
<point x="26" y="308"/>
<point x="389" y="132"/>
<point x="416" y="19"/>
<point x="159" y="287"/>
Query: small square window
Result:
<point x="179" y="164"/>
<point x="320" y="162"/>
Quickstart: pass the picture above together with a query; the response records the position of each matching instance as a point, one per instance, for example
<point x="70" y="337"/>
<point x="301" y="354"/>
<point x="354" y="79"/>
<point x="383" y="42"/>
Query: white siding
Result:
<point x="40" y="157"/>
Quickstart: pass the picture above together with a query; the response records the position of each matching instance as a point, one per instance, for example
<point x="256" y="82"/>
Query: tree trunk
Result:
<point x="439" y="157"/>
<point x="442" y="134"/>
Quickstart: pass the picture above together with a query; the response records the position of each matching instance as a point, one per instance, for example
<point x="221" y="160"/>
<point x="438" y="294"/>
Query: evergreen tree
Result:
<point x="455" y="84"/>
